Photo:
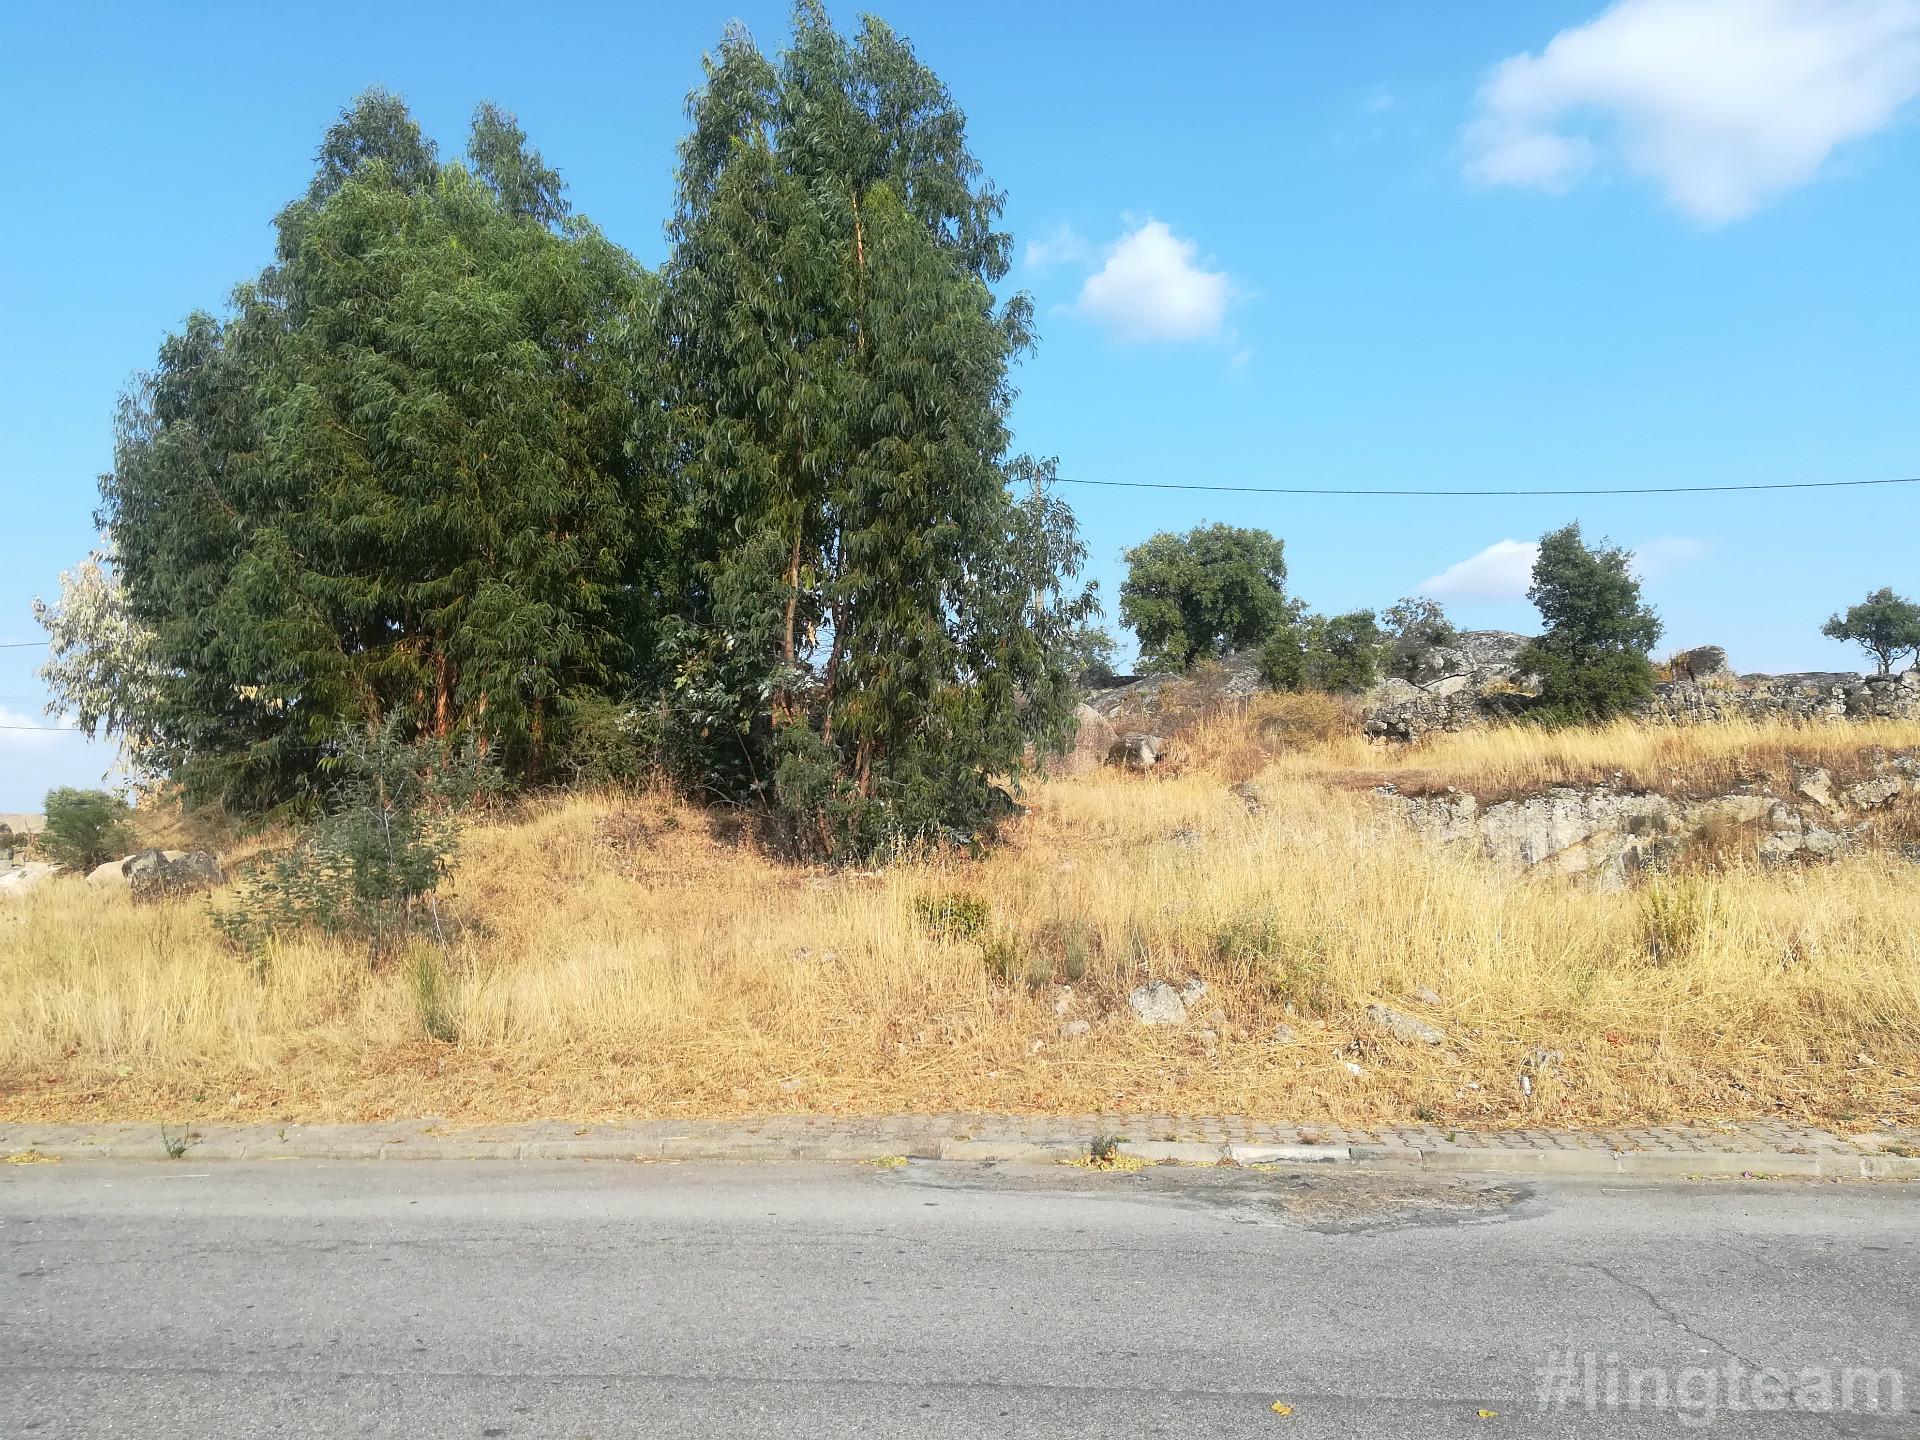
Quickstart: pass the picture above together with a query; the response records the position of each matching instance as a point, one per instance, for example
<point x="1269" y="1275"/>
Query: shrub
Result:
<point x="369" y="867"/>
<point x="953" y="915"/>
<point x="84" y="828"/>
<point x="1414" y="626"/>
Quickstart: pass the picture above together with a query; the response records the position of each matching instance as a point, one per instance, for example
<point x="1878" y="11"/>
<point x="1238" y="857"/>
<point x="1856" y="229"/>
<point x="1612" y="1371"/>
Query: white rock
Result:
<point x="1407" y="1027"/>
<point x="1158" y="1004"/>
<point x="1074" y="1029"/>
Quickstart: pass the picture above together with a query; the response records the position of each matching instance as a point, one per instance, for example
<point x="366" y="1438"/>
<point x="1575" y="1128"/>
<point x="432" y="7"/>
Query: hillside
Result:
<point x="629" y="954"/>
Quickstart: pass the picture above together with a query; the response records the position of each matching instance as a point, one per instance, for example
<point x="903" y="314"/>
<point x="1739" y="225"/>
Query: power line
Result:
<point x="21" y="644"/>
<point x="1462" y="494"/>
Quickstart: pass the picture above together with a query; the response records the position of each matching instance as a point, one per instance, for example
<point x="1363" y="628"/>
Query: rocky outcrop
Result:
<point x="24" y="878"/>
<point x="1448" y="687"/>
<point x="1816" y="696"/>
<point x="1609" y="834"/>
<point x="1475" y="679"/>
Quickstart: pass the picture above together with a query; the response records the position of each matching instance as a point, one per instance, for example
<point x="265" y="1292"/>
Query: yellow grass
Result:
<point x="623" y="956"/>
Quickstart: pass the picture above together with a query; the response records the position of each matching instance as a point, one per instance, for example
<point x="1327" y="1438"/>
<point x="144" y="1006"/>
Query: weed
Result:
<point x="433" y="994"/>
<point x="176" y="1142"/>
<point x="953" y="914"/>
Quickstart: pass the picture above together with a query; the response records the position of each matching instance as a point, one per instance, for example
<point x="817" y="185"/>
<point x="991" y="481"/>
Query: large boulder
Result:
<point x="110" y="876"/>
<point x="26" y="877"/>
<point x="163" y="874"/>
<point x="1092" y="742"/>
<point x="1136" y="751"/>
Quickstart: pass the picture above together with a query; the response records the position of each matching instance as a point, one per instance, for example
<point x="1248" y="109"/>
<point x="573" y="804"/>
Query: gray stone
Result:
<point x="1815" y="784"/>
<point x="1284" y="1034"/>
<point x="1407" y="1027"/>
<point x="1136" y="751"/>
<point x="1193" y="991"/>
<point x="1074" y="1029"/>
<point x="1092" y="742"/>
<point x="163" y="874"/>
<point x="1158" y="1004"/>
<point x="1426" y="996"/>
<point x="1872" y="794"/>
<point x="110" y="876"/>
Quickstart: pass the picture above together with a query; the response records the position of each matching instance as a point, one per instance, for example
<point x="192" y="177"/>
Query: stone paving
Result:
<point x="1767" y="1148"/>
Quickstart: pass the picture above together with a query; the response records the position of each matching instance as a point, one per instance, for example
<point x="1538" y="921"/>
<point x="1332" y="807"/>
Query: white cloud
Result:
<point x="1654" y="558"/>
<point x="1502" y="571"/>
<point x="18" y="730"/>
<point x="1152" y="288"/>
<point x="1723" y="103"/>
<point x="1060" y="245"/>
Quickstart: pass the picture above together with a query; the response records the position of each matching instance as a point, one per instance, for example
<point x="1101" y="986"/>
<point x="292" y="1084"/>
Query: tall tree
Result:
<point x="841" y="392"/>
<point x="1215" y="588"/>
<point x="1592" y="659"/>
<point x="402" y="479"/>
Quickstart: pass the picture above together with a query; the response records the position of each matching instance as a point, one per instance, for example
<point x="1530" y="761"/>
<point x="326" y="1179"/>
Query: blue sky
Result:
<point x="1515" y="243"/>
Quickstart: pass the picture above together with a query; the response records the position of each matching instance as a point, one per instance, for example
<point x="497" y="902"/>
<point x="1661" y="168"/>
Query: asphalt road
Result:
<point x="506" y="1299"/>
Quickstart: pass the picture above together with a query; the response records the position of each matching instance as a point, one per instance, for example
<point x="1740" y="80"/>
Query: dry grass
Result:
<point x="624" y="957"/>
<point x="1691" y="760"/>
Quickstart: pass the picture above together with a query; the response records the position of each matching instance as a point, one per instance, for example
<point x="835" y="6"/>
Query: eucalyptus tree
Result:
<point x="876" y="624"/>
<point x="407" y="476"/>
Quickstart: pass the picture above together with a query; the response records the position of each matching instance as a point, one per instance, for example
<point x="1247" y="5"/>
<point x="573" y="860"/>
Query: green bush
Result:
<point x="84" y="828"/>
<point x="369" y="866"/>
<point x="953" y="914"/>
<point x="1339" y="654"/>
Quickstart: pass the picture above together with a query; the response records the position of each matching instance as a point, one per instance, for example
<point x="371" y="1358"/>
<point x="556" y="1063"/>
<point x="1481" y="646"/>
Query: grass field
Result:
<point x="630" y="955"/>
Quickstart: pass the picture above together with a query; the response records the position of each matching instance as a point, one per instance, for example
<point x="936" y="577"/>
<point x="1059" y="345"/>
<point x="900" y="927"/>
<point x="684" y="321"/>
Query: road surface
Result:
<point x="506" y="1299"/>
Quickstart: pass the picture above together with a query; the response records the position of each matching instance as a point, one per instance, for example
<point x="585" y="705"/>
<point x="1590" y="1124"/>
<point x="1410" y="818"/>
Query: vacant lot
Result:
<point x="631" y="955"/>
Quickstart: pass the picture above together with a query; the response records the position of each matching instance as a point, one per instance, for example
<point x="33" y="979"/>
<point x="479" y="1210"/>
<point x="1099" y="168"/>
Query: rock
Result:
<point x="1426" y="996"/>
<point x="1284" y="1035"/>
<point x="1192" y="992"/>
<point x="1092" y="742"/>
<point x="1407" y="1027"/>
<point x="1036" y="1045"/>
<point x="1248" y="794"/>
<point x="110" y="876"/>
<point x="1187" y="838"/>
<point x="1815" y="784"/>
<point x="1136" y="751"/>
<point x="1063" y="1000"/>
<point x="1074" y="1029"/>
<point x="1703" y="663"/>
<point x="1209" y="1040"/>
<point x="1158" y="1004"/>
<point x="27" y="877"/>
<point x="162" y="874"/>
<point x="1872" y="794"/>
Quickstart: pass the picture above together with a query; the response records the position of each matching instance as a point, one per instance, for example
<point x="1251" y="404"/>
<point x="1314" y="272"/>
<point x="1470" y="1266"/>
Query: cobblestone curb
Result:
<point x="1664" y="1151"/>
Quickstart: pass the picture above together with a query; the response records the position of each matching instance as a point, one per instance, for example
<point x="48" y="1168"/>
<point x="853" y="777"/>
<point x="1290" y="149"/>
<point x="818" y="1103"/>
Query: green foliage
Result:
<point x="875" y="625"/>
<point x="1414" y="625"/>
<point x="1214" y="589"/>
<point x="100" y="666"/>
<point x="369" y="866"/>
<point x="84" y="828"/>
<point x="433" y="994"/>
<point x="409" y="476"/>
<point x="953" y="914"/>
<point x="1885" y="625"/>
<point x="1592" y="659"/>
<point x="1338" y="654"/>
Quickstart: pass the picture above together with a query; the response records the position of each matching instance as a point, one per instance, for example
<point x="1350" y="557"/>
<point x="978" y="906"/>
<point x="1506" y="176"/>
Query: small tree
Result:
<point x="1213" y="589"/>
<point x="1885" y="625"/>
<point x="1592" y="659"/>
<point x="369" y="867"/>
<point x="84" y="828"/>
<point x="1339" y="654"/>
<point x="1414" y="626"/>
